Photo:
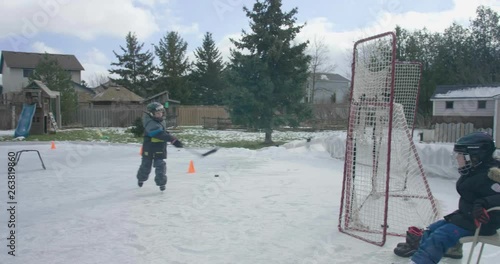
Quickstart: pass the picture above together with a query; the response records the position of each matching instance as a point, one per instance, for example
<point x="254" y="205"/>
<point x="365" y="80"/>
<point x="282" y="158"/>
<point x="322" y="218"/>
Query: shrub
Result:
<point x="137" y="128"/>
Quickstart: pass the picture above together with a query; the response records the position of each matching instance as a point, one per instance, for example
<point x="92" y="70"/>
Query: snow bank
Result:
<point x="436" y="158"/>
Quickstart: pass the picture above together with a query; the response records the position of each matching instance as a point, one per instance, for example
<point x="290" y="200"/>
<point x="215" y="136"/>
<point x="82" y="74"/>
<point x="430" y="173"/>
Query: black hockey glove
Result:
<point x="479" y="213"/>
<point x="177" y="143"/>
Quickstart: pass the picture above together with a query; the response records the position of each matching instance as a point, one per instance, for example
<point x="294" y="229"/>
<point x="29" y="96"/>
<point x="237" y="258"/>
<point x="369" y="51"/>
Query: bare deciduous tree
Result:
<point x="320" y="63"/>
<point x="97" y="79"/>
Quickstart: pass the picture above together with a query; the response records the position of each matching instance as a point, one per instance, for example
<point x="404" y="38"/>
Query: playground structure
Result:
<point x="41" y="110"/>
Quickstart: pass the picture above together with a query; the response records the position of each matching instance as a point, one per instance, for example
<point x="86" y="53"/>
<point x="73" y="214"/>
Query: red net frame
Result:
<point x="384" y="187"/>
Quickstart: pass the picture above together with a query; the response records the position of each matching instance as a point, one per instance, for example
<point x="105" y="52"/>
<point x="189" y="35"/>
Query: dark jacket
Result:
<point x="156" y="137"/>
<point x="482" y="183"/>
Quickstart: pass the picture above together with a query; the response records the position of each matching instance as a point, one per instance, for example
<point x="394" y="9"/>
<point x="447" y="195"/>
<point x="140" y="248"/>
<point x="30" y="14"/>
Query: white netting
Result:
<point x="385" y="190"/>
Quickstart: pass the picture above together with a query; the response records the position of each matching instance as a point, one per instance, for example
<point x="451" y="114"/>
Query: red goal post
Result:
<point x="385" y="189"/>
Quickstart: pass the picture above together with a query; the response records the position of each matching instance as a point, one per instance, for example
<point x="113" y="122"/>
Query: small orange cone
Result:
<point x="191" y="167"/>
<point x="53" y="145"/>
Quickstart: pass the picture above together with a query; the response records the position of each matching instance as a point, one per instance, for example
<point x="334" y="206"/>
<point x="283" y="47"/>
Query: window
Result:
<point x="481" y="104"/>
<point x="449" y="104"/>
<point x="27" y="73"/>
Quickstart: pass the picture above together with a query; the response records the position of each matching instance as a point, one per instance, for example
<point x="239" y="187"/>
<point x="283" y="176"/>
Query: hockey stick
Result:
<point x="212" y="151"/>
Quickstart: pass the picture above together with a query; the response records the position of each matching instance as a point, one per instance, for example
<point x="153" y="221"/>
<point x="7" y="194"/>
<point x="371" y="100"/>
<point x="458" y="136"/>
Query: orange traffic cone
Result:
<point x="191" y="167"/>
<point x="53" y="145"/>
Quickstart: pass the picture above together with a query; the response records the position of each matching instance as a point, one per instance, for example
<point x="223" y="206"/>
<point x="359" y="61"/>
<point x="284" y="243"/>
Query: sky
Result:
<point x="93" y="29"/>
<point x="273" y="205"/>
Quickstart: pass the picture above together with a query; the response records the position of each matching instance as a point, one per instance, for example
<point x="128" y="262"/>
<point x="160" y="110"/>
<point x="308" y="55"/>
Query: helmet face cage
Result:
<point x="473" y="150"/>
<point x="463" y="161"/>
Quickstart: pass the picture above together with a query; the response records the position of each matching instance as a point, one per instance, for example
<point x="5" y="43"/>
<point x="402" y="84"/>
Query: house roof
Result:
<point x="43" y="87"/>
<point x="83" y="93"/>
<point x="82" y="88"/>
<point x="160" y="94"/>
<point x="29" y="60"/>
<point x="116" y="93"/>
<point x="446" y="92"/>
<point x="330" y="77"/>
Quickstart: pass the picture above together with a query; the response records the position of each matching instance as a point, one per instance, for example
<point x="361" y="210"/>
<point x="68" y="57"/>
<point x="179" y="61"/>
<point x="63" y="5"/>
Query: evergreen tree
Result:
<point x="485" y="43"/>
<point x="174" y="66"/>
<point x="57" y="79"/>
<point x="269" y="70"/>
<point x="134" y="67"/>
<point x="207" y="75"/>
<point x="459" y="55"/>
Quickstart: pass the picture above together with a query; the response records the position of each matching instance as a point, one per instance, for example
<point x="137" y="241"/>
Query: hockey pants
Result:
<point x="160" y="170"/>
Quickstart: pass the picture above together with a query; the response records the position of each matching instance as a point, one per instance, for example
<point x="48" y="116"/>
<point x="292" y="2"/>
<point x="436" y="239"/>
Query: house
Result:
<point x="476" y="104"/>
<point x="84" y="94"/>
<point x="326" y="88"/>
<point x="16" y="68"/>
<point x="111" y="94"/>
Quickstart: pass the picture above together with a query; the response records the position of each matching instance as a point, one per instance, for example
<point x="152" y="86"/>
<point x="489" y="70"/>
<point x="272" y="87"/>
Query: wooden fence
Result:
<point x="9" y="116"/>
<point x="193" y="115"/>
<point x="123" y="117"/>
<point x="452" y="132"/>
<point x="325" y="117"/>
<point x="110" y="117"/>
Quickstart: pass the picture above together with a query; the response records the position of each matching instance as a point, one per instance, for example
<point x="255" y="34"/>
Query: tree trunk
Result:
<point x="268" y="139"/>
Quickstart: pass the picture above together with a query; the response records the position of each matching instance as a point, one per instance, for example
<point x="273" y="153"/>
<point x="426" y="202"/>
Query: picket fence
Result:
<point x="452" y="132"/>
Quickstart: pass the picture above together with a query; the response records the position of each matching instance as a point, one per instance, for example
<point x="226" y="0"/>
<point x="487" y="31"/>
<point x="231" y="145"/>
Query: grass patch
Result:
<point x="190" y="136"/>
<point x="92" y="135"/>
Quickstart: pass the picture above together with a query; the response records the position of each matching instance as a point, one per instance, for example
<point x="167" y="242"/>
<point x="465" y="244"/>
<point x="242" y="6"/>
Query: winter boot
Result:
<point x="454" y="252"/>
<point x="162" y="188"/>
<point x="407" y="249"/>
<point x="140" y="183"/>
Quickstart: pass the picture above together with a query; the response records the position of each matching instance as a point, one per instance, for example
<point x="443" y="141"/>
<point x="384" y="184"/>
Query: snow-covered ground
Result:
<point x="275" y="205"/>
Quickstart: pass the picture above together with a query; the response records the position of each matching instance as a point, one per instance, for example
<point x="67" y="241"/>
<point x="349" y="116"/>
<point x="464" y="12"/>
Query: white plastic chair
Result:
<point x="490" y="240"/>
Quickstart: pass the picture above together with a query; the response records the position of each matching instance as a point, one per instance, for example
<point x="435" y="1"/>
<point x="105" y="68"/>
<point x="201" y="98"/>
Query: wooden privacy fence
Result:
<point x="193" y="115"/>
<point x="452" y="132"/>
<point x="123" y="117"/>
<point x="114" y="117"/>
<point x="217" y="123"/>
<point x="9" y="116"/>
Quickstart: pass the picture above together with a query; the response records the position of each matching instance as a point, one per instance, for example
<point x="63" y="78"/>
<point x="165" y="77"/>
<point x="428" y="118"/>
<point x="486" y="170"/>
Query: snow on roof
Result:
<point x="476" y="92"/>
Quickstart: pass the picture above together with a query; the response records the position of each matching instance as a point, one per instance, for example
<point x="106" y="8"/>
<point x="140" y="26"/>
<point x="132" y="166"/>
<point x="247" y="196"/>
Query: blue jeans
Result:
<point x="437" y="239"/>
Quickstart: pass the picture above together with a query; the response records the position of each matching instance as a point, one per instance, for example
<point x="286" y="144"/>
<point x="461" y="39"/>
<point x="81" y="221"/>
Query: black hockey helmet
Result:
<point x="153" y="108"/>
<point x="477" y="148"/>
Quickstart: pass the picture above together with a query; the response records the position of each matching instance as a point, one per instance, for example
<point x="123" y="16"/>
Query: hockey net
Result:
<point x="384" y="188"/>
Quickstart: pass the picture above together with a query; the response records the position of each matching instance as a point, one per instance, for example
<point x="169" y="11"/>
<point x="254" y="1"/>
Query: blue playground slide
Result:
<point x="24" y="124"/>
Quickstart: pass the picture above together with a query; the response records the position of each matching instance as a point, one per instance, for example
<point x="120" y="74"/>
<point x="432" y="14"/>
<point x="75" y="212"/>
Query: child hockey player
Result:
<point x="154" y="146"/>
<point x="479" y="189"/>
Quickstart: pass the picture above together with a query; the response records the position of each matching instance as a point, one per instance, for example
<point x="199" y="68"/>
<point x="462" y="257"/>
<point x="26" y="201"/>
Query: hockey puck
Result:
<point x="216" y="175"/>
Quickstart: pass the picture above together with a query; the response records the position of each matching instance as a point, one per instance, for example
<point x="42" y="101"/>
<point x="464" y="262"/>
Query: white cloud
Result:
<point x="94" y="72"/>
<point x="84" y="19"/>
<point x="175" y="23"/>
<point x="96" y="56"/>
<point x="340" y="43"/>
<point x="96" y="65"/>
<point x="225" y="45"/>
<point x="41" y="47"/>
